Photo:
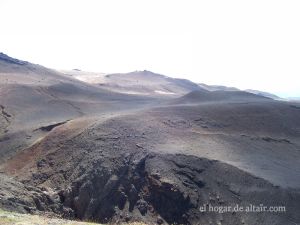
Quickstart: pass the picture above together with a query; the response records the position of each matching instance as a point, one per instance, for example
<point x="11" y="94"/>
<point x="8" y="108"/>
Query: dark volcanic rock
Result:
<point x="15" y="196"/>
<point x="142" y="205"/>
<point x="173" y="187"/>
<point x="111" y="180"/>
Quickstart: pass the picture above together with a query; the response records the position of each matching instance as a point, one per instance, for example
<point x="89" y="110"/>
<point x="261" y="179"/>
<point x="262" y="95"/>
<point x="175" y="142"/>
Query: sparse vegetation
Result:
<point x="12" y="218"/>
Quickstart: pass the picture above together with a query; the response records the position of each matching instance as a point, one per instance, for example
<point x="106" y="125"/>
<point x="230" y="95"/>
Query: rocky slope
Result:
<point x="79" y="151"/>
<point x="114" y="170"/>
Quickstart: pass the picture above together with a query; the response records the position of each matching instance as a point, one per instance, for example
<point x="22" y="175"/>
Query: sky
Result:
<point x="245" y="44"/>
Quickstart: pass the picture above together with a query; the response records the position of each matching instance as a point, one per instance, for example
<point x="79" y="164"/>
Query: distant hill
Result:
<point x="149" y="83"/>
<point x="216" y="96"/>
<point x="225" y="88"/>
<point x="139" y="82"/>
<point x="217" y="87"/>
<point x="263" y="93"/>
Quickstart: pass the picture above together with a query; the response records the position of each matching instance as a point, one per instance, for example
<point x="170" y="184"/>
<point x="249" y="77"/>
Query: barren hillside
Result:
<point x="155" y="150"/>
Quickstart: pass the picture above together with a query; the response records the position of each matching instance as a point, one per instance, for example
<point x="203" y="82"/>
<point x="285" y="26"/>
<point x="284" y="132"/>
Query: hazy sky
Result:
<point x="247" y="44"/>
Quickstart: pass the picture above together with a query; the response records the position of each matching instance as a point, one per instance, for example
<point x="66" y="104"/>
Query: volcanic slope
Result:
<point x="119" y="157"/>
<point x="35" y="99"/>
<point x="160" y="165"/>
